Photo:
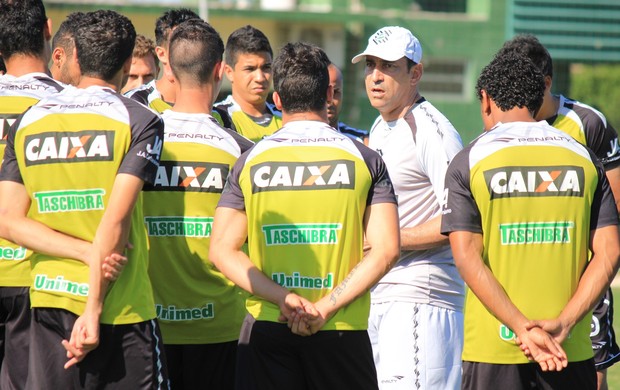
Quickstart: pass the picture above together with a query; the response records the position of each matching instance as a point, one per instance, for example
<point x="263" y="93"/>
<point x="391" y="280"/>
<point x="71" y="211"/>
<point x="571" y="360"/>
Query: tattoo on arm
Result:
<point x="339" y="289"/>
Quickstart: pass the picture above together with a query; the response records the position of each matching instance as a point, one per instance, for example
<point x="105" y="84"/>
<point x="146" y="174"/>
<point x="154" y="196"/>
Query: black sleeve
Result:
<point x="603" y="211"/>
<point x="459" y="209"/>
<point x="147" y="136"/>
<point x="232" y="195"/>
<point x="381" y="190"/>
<point x="226" y="120"/>
<point x="9" y="170"/>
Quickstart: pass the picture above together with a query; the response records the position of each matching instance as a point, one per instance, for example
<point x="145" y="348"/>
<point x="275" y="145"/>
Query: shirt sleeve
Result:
<point x="459" y="209"/>
<point x="147" y="135"/>
<point x="602" y="138"/>
<point x="9" y="169"/>
<point x="232" y="195"/>
<point x="381" y="189"/>
<point x="603" y="211"/>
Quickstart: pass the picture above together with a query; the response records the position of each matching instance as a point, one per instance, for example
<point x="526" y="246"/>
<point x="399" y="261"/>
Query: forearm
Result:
<point x="359" y="280"/>
<point x="467" y="250"/>
<point x="39" y="238"/>
<point x="595" y="280"/>
<point x="382" y="232"/>
<point x="238" y="267"/>
<point x="424" y="236"/>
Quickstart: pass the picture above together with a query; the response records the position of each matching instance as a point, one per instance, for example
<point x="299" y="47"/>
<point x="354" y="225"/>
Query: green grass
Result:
<point x="613" y="373"/>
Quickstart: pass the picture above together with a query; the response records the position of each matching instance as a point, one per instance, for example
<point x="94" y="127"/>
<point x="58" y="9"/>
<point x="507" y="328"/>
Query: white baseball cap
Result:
<point x="391" y="44"/>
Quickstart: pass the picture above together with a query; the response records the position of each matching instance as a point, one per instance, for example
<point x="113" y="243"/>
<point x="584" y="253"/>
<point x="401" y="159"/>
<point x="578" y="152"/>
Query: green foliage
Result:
<point x="599" y="87"/>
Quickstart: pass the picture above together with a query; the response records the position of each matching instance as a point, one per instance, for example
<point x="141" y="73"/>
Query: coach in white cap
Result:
<point x="416" y="316"/>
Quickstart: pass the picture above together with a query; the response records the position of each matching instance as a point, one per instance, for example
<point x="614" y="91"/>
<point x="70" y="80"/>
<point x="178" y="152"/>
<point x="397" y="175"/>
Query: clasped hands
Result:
<point x="303" y="317"/>
<point x="541" y="342"/>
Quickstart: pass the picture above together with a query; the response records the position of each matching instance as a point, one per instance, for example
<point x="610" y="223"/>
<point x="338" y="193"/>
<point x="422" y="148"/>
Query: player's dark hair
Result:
<point x="301" y="78"/>
<point x="168" y="21"/>
<point x="21" y="27"/>
<point x="246" y="40"/>
<point x="512" y="80"/>
<point x="195" y="48"/>
<point x="2" y="66"/>
<point x="104" y="40"/>
<point x="66" y="31"/>
<point x="529" y="46"/>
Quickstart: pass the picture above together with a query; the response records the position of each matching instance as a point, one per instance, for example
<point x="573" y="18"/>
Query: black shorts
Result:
<point x="14" y="336"/>
<point x="329" y="359"/>
<point x="606" y="351"/>
<point x="202" y="366"/>
<point x="485" y="376"/>
<point x="128" y="356"/>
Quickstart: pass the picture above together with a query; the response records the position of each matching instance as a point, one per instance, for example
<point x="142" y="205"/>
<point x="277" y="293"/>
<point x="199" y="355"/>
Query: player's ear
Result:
<point x="228" y="70"/>
<point x="218" y="71"/>
<point x="277" y="101"/>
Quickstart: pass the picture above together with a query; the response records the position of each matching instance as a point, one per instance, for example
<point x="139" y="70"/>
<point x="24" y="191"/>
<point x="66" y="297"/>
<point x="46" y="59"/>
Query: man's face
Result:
<point x="334" y="106"/>
<point x="142" y="71"/>
<point x="65" y="67"/>
<point x="389" y="85"/>
<point x="251" y="77"/>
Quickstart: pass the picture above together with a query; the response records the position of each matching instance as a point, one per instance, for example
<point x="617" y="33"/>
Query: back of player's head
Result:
<point x="104" y="40"/>
<point x="300" y="77"/>
<point x="529" y="46"/>
<point x="195" y="49"/>
<point x="246" y="40"/>
<point x="512" y="80"/>
<point x="168" y="21"/>
<point x="66" y="31"/>
<point x="22" y="23"/>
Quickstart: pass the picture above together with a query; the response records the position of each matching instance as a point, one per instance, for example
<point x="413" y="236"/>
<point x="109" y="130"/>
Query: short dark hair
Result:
<point x="21" y="27"/>
<point x="512" y="80"/>
<point x="169" y="20"/>
<point x="195" y="49"/>
<point x="529" y="46"/>
<point x="244" y="40"/>
<point x="66" y="31"/>
<point x="104" y="40"/>
<point x="301" y="78"/>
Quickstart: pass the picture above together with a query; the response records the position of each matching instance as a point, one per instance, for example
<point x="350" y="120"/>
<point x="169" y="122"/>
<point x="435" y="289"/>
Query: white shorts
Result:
<point x="416" y="346"/>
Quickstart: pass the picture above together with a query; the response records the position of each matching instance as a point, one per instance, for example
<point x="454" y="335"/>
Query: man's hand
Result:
<point x="541" y="347"/>
<point x="296" y="311"/>
<point x="84" y="338"/>
<point x="556" y="328"/>
<point x="113" y="266"/>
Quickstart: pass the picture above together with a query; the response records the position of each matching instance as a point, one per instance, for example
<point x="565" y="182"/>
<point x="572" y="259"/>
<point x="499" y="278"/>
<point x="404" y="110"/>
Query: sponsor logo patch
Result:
<point x="511" y="182"/>
<point x="69" y="200"/>
<point x="54" y="147"/>
<point x="189" y="176"/>
<point x="292" y="176"/>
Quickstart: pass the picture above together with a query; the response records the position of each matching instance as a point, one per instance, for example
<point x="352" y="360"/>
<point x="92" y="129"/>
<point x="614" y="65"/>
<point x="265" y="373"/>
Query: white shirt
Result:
<point x="417" y="150"/>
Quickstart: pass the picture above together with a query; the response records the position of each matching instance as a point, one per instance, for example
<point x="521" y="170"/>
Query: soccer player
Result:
<point x="305" y="264"/>
<point x="25" y="32"/>
<point x="419" y="303"/>
<point x="200" y="310"/>
<point x="160" y="94"/>
<point x="591" y="128"/>
<point x="144" y="64"/>
<point x="94" y="150"/>
<point x="64" y="66"/>
<point x="525" y="205"/>
<point x="248" y="68"/>
<point x="335" y="106"/>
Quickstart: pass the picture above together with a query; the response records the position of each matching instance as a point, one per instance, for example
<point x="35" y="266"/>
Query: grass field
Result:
<point x="613" y="373"/>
